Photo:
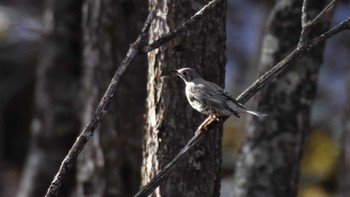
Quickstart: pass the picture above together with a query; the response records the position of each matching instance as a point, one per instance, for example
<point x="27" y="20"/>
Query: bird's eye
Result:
<point x="184" y="73"/>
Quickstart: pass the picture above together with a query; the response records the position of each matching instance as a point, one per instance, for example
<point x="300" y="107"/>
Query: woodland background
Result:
<point x="57" y="57"/>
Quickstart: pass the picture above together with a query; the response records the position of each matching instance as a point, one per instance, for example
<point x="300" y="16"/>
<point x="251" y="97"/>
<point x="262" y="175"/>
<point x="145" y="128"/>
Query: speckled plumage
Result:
<point x="209" y="98"/>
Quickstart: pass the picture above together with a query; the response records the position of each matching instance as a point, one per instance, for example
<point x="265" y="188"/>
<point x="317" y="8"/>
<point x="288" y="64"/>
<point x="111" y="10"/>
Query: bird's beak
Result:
<point x="174" y="72"/>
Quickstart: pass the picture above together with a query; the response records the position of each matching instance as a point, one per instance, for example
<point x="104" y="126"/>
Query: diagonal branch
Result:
<point x="89" y="129"/>
<point x="325" y="11"/>
<point x="167" y="37"/>
<point x="344" y="25"/>
<point x="171" y="166"/>
<point x="200" y="135"/>
<point x="308" y="25"/>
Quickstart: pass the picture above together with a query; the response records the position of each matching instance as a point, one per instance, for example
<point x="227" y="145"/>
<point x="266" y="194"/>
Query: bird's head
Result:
<point x="187" y="74"/>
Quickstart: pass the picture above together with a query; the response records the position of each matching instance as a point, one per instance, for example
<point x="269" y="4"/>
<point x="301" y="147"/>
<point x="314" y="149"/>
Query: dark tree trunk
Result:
<point x="110" y="164"/>
<point x="268" y="163"/>
<point x="171" y="121"/>
<point x="55" y="120"/>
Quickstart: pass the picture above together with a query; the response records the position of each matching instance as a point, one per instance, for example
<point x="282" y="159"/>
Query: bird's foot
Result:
<point x="214" y="117"/>
<point x="207" y="122"/>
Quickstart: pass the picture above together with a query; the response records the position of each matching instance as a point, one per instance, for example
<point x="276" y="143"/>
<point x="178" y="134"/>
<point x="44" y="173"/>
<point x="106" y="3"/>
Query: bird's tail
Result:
<point x="255" y="113"/>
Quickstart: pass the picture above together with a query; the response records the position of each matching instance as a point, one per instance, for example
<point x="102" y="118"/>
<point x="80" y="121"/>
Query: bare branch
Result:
<point x="200" y="135"/>
<point x="325" y="11"/>
<point x="304" y="18"/>
<point x="89" y="129"/>
<point x="344" y="25"/>
<point x="270" y="74"/>
<point x="305" y="28"/>
<point x="151" y="186"/>
<point x="307" y="25"/>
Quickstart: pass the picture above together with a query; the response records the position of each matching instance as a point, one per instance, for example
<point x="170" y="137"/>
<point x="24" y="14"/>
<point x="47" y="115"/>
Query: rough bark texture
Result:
<point x="110" y="164"/>
<point x="56" y="113"/>
<point x="268" y="163"/>
<point x="170" y="119"/>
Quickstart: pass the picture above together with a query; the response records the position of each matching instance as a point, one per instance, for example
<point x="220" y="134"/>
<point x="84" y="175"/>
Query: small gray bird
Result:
<point x="209" y="98"/>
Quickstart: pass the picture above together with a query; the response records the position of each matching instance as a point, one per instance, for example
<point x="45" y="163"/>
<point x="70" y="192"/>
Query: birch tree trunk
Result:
<point x="268" y="163"/>
<point x="110" y="164"/>
<point x="55" y="121"/>
<point x="170" y="121"/>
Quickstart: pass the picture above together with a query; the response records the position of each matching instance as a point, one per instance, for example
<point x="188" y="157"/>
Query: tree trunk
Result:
<point x="170" y="120"/>
<point x="344" y="169"/>
<point x="56" y="120"/>
<point x="110" y="164"/>
<point x="268" y="163"/>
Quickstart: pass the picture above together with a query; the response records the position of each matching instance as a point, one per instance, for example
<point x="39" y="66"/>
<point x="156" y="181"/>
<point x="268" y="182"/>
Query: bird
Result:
<point x="209" y="98"/>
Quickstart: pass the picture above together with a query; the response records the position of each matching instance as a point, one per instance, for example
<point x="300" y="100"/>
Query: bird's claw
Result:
<point x="214" y="117"/>
<point x="207" y="122"/>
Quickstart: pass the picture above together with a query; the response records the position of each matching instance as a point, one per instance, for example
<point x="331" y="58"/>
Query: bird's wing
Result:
<point x="230" y="98"/>
<point x="217" y="97"/>
<point x="227" y="101"/>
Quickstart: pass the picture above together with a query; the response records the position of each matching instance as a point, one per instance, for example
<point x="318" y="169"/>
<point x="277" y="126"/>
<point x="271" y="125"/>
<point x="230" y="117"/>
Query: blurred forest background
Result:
<point x="38" y="35"/>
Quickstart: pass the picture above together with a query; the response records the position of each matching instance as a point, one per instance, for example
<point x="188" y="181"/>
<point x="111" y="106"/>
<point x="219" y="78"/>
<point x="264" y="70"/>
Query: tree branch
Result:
<point x="325" y="11"/>
<point x="304" y="18"/>
<point x="305" y="28"/>
<point x="70" y="159"/>
<point x="200" y="135"/>
<point x="167" y="37"/>
<point x="307" y="25"/>
<point x="341" y="27"/>
<point x="170" y="167"/>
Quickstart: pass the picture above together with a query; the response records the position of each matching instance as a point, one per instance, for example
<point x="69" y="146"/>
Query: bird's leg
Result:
<point x="204" y="123"/>
<point x="214" y="117"/>
<point x="207" y="121"/>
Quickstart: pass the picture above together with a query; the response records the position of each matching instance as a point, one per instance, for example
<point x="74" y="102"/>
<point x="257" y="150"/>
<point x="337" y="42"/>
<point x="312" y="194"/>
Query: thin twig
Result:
<point x="293" y="56"/>
<point x="199" y="136"/>
<point x="344" y="25"/>
<point x="326" y="10"/>
<point x="305" y="28"/>
<point x="89" y="129"/>
<point x="307" y="25"/>
<point x="167" y="37"/>
<point x="304" y="18"/>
